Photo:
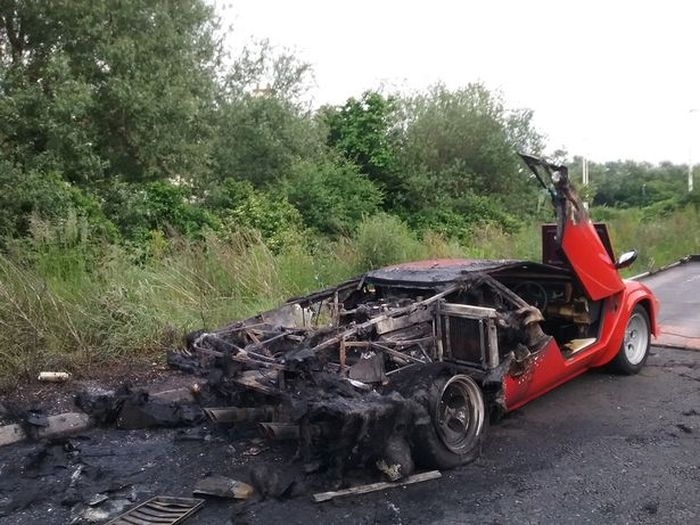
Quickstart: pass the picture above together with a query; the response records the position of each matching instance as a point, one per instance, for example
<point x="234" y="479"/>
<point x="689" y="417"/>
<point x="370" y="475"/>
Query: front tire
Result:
<point x="634" y="350"/>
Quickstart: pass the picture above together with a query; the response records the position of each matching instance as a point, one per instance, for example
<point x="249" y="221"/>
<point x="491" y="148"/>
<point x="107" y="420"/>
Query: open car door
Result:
<point x="590" y="260"/>
<point x="576" y="234"/>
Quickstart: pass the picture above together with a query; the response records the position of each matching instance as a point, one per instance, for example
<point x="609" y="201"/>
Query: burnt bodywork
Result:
<point x="342" y="363"/>
<point x="353" y="365"/>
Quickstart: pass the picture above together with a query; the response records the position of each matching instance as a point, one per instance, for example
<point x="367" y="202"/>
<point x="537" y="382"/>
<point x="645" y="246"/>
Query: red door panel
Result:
<point x="590" y="260"/>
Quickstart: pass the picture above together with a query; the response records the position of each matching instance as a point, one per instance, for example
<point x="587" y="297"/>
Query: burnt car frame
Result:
<point x="407" y="364"/>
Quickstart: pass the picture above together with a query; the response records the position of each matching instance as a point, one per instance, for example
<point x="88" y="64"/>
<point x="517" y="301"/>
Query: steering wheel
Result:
<point x="532" y="293"/>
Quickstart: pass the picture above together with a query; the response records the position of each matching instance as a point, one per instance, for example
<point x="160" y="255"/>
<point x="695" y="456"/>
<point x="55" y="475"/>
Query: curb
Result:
<point x="682" y="260"/>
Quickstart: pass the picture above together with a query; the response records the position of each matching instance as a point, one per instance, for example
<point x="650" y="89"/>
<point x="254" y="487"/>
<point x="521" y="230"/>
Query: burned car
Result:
<point x="406" y="365"/>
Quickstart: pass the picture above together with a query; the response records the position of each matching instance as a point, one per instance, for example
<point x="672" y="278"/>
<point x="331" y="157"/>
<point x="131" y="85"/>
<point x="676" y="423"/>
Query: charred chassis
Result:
<point x="406" y="365"/>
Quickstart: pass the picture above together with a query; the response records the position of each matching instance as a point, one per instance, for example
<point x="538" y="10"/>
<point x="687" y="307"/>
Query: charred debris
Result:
<point x="347" y="371"/>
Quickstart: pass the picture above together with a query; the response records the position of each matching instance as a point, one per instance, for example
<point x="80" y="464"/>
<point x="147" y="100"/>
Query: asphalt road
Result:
<point x="600" y="449"/>
<point x="678" y="289"/>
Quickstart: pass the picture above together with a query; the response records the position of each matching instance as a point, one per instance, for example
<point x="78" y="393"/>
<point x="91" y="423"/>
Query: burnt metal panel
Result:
<point x="469" y="334"/>
<point x="465" y="339"/>
<point x="436" y="272"/>
<point x="161" y="510"/>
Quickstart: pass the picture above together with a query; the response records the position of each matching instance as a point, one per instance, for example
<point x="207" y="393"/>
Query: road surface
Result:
<point x="678" y="289"/>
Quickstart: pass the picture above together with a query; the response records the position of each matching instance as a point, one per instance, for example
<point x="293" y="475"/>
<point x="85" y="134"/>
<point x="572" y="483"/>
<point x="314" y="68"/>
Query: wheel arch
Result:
<point x="651" y="309"/>
<point x="635" y="294"/>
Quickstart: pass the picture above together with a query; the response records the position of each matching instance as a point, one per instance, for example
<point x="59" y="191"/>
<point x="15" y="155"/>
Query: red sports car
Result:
<point x="406" y="365"/>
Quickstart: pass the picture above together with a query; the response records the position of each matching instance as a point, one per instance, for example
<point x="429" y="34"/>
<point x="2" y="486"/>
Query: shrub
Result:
<point x="332" y="196"/>
<point x="385" y="239"/>
<point x="139" y="209"/>
<point x="242" y="208"/>
<point x="31" y="195"/>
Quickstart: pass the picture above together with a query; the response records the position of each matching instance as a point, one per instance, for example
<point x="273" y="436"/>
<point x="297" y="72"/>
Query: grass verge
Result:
<point x="78" y="307"/>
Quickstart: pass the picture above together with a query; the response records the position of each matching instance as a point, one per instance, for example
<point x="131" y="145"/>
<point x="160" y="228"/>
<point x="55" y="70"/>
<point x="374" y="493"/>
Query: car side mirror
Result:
<point x="626" y="259"/>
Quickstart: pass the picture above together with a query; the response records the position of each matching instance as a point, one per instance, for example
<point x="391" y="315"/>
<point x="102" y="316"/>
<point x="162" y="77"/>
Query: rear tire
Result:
<point x="634" y="350"/>
<point x="453" y="433"/>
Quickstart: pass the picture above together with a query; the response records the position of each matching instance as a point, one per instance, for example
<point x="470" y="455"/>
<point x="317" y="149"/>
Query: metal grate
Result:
<point x="161" y="510"/>
<point x="466" y="339"/>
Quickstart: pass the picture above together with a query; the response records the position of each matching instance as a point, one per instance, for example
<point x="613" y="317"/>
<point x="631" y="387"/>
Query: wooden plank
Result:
<point x="397" y="323"/>
<point x="373" y="487"/>
<point x="468" y="310"/>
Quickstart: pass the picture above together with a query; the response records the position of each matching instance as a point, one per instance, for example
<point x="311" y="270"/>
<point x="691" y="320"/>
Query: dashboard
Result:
<point x="543" y="293"/>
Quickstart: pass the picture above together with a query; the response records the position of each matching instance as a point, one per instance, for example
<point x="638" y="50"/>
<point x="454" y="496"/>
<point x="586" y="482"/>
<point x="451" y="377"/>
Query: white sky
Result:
<point x="607" y="79"/>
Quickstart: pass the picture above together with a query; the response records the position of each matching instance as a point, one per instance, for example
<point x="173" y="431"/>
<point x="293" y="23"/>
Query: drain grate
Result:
<point x="161" y="510"/>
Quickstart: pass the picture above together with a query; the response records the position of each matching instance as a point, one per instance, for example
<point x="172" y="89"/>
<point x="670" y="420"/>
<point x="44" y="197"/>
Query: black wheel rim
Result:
<point x="460" y="414"/>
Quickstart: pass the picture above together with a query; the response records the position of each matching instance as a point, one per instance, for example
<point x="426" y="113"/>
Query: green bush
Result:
<point x="139" y="209"/>
<point x="385" y="239"/>
<point x="459" y="217"/>
<point x="242" y="208"/>
<point x="332" y="195"/>
<point x="46" y="196"/>
<point x="662" y="208"/>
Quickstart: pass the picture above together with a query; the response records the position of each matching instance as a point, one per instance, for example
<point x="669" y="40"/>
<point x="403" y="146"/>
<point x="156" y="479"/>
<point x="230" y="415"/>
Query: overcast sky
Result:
<point x="608" y="79"/>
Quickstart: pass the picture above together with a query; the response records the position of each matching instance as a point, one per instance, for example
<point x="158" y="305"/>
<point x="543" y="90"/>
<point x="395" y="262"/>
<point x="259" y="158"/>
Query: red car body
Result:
<point x="585" y="248"/>
<point x="592" y="263"/>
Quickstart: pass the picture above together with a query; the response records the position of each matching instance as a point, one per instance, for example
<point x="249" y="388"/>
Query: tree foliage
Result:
<point x="262" y="69"/>
<point x="333" y="197"/>
<point x="364" y="131"/>
<point x="658" y="189"/>
<point x="243" y="208"/>
<point x="95" y="90"/>
<point x="127" y="117"/>
<point x="260" y="138"/>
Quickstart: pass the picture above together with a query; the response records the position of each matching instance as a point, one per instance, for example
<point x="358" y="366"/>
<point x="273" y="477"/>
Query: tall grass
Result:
<point x="69" y="304"/>
<point x="659" y="240"/>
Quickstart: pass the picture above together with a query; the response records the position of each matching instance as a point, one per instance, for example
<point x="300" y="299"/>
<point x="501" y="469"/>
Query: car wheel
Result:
<point x="458" y="420"/>
<point x="634" y="350"/>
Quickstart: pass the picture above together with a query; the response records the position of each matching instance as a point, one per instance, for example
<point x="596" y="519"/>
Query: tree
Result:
<point x="260" y="138"/>
<point x="96" y="89"/>
<point x="631" y="183"/>
<point x="364" y="132"/>
<point x="262" y="69"/>
<point x="460" y="147"/>
<point x="263" y="126"/>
